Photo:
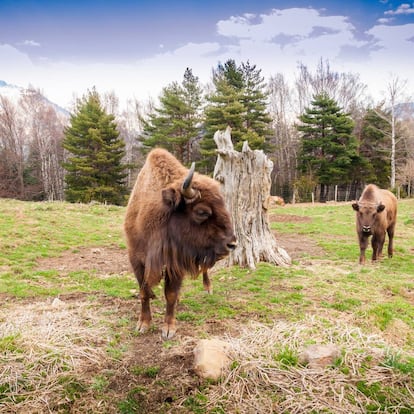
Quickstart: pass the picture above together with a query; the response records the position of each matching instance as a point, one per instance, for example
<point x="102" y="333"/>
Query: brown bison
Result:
<point x="176" y="223"/>
<point x="376" y="213"/>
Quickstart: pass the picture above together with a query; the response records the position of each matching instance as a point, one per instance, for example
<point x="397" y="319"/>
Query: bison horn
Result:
<point x="186" y="190"/>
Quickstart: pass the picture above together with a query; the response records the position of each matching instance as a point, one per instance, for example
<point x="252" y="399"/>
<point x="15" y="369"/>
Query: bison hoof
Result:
<point x="168" y="332"/>
<point x="143" y="326"/>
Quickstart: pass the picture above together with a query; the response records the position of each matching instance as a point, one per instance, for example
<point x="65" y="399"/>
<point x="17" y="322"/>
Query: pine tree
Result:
<point x="238" y="101"/>
<point x="225" y="109"/>
<point x="375" y="143"/>
<point x="94" y="165"/>
<point x="257" y="119"/>
<point x="175" y="123"/>
<point x="329" y="150"/>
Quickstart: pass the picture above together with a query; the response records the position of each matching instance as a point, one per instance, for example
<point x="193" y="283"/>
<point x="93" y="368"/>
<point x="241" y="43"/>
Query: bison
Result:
<point x="176" y="223"/>
<point x="376" y="213"/>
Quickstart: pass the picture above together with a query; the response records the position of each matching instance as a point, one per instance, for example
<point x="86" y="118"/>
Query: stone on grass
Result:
<point x="210" y="358"/>
<point x="320" y="356"/>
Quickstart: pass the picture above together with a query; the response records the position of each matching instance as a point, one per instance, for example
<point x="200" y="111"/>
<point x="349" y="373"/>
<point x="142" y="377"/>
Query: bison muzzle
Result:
<point x="176" y="223"/>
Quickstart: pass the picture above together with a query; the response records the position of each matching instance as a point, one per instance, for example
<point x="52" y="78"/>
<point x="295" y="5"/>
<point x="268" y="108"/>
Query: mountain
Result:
<point x="405" y="110"/>
<point x="14" y="93"/>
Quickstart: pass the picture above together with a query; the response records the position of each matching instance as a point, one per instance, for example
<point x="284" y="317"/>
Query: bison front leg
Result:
<point x="377" y="245"/>
<point x="145" y="318"/>
<point x="363" y="244"/>
<point x="207" y="282"/>
<point x="172" y="290"/>
<point x="146" y="294"/>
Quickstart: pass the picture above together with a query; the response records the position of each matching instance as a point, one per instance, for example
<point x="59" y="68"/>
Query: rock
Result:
<point x="210" y="357"/>
<point x="56" y="303"/>
<point x="319" y="356"/>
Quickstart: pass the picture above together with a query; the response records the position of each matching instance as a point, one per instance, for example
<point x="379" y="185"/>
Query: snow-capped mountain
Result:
<point x="14" y="93"/>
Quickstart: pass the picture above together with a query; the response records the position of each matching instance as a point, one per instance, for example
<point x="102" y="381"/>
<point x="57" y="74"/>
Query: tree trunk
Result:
<point x="245" y="179"/>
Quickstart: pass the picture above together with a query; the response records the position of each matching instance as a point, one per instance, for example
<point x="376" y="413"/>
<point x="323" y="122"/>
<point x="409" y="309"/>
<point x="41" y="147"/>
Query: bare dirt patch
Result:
<point x="103" y="260"/>
<point x="297" y="246"/>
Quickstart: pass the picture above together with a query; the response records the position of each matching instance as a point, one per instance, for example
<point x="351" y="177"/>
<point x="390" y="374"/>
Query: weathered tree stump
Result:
<point x="245" y="180"/>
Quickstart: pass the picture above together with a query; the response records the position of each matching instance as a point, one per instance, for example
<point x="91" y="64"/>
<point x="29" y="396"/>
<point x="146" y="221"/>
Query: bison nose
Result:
<point x="232" y="245"/>
<point x="366" y="229"/>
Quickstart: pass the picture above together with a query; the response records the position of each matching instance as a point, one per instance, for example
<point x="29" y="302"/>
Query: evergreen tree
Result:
<point x="238" y="101"/>
<point x="225" y="109"/>
<point x="375" y="144"/>
<point x="231" y="73"/>
<point x="94" y="165"/>
<point x="175" y="123"/>
<point x="329" y="150"/>
<point x="257" y="119"/>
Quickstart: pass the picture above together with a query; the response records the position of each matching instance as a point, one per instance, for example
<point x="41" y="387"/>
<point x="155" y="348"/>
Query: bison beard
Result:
<point x="176" y="223"/>
<point x="376" y="214"/>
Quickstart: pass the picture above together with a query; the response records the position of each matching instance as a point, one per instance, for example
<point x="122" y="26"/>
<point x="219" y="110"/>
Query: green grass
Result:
<point x="29" y="231"/>
<point x="33" y="231"/>
<point x="327" y="282"/>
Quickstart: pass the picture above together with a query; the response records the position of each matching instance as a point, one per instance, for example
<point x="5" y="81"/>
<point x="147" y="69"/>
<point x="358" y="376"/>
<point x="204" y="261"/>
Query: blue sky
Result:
<point x="134" y="48"/>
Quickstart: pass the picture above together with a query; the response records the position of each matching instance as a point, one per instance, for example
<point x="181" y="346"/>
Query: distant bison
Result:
<point x="376" y="213"/>
<point x="176" y="223"/>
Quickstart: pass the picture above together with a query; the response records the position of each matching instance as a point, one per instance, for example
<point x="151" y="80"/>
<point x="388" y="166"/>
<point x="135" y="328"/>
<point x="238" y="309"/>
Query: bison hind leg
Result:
<point x="390" y="232"/>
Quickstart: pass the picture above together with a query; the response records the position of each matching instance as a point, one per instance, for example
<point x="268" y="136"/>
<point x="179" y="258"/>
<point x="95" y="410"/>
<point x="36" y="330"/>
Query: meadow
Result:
<point x="69" y="308"/>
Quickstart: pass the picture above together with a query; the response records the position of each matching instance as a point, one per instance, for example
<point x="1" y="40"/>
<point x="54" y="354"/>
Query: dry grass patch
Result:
<point x="266" y="375"/>
<point x="45" y="346"/>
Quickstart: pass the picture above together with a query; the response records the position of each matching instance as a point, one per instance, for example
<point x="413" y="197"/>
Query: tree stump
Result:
<point x="245" y="180"/>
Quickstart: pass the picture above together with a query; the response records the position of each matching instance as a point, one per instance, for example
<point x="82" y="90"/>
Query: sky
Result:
<point x="135" y="48"/>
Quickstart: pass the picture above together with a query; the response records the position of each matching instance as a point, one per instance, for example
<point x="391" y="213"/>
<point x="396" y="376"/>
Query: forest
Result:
<point x="325" y="135"/>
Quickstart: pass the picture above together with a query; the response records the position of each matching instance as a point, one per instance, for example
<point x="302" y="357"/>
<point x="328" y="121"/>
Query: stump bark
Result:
<point x="245" y="180"/>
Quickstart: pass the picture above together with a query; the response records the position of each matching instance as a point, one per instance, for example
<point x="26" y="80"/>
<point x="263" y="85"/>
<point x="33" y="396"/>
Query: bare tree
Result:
<point x="286" y="140"/>
<point x="12" y="150"/>
<point x="345" y="88"/>
<point x="45" y="130"/>
<point x="405" y="175"/>
<point x="110" y="103"/>
<point x="396" y="95"/>
<point x="130" y="128"/>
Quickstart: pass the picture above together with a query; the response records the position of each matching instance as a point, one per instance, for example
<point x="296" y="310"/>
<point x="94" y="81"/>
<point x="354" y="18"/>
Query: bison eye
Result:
<point x="202" y="214"/>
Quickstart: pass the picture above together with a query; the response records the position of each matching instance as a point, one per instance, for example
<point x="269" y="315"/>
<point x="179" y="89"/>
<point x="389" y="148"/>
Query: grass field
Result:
<point x="69" y="309"/>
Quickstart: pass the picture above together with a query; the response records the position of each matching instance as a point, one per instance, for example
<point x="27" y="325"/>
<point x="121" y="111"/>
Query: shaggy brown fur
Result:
<point x="169" y="235"/>
<point x="376" y="213"/>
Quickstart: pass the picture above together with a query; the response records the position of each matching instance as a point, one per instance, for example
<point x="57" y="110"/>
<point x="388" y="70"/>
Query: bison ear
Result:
<point x="355" y="206"/>
<point x="380" y="207"/>
<point x="171" y="197"/>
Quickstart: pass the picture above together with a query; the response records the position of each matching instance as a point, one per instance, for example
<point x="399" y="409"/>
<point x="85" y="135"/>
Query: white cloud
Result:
<point x="275" y="42"/>
<point x="29" y="43"/>
<point x="290" y="22"/>
<point x="385" y="20"/>
<point x="402" y="9"/>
